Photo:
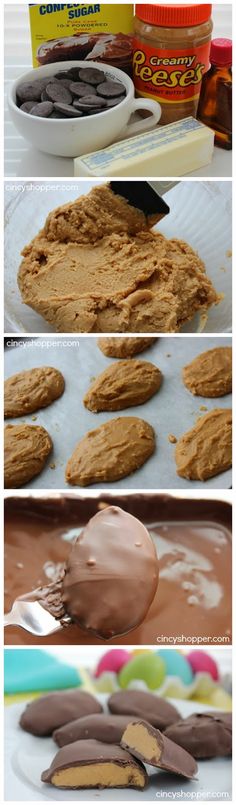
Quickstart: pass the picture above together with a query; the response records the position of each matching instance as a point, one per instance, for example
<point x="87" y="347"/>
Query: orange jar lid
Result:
<point x="174" y="16"/>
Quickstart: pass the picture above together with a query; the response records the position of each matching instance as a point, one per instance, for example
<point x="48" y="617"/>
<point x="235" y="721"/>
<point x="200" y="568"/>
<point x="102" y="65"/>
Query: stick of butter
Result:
<point x="171" y="150"/>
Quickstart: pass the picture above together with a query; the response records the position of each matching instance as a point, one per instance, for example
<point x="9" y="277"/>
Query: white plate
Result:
<point x="200" y="214"/>
<point x="26" y="757"/>
<point x="172" y="410"/>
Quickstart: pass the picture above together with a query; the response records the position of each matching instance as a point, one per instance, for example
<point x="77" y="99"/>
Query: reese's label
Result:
<point x="169" y="76"/>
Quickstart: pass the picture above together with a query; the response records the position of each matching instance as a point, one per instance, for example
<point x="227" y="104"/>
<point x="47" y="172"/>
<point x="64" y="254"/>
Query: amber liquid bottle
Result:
<point x="215" y="104"/>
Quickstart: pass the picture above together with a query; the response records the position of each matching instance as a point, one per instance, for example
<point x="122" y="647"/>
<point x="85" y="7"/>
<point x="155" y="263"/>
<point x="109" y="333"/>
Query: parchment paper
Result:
<point x="172" y="410"/>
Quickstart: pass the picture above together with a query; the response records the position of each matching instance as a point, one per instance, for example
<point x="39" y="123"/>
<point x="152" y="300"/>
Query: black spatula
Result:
<point x="144" y="197"/>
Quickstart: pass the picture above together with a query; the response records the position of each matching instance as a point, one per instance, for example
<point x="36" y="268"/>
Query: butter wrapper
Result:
<point x="180" y="147"/>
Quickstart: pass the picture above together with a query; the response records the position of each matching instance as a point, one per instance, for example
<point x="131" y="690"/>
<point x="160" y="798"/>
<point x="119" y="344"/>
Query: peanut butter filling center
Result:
<point x="100" y="774"/>
<point x="137" y="737"/>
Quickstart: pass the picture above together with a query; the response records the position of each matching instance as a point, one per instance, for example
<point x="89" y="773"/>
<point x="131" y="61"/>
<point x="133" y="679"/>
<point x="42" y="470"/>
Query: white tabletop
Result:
<point x="20" y="158"/>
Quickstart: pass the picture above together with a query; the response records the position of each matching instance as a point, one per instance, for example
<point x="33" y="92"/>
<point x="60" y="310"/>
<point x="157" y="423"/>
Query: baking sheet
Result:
<point x="200" y="213"/>
<point x="27" y="756"/>
<point x="172" y="410"/>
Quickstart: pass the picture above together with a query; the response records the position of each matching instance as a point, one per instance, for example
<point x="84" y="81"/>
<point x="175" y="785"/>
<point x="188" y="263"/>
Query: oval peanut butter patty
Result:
<point x="30" y="390"/>
<point x="111" y="452"/>
<point x="206" y="449"/>
<point x="210" y="374"/>
<point x="124" y="347"/>
<point x="122" y="385"/>
<point x="26" y="448"/>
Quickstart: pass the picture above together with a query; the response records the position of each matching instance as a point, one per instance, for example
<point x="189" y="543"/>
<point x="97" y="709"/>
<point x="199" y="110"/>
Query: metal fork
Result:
<point x="32" y="616"/>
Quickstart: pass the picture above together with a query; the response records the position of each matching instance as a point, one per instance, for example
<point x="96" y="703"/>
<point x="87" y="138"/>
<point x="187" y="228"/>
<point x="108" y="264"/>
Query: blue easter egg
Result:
<point x="176" y="665"/>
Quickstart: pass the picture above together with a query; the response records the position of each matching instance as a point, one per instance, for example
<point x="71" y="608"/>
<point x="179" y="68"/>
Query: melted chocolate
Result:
<point x="193" y="544"/>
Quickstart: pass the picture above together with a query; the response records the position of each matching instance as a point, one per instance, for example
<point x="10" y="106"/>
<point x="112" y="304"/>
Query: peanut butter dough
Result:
<point x="122" y="385"/>
<point x="206" y="449"/>
<point x="97" y="267"/>
<point x="210" y="374"/>
<point x="25" y="453"/>
<point x="28" y="391"/>
<point x="124" y="347"/>
<point x="111" y="452"/>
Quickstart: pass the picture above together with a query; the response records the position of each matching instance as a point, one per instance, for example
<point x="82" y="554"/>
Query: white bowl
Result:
<point x="73" y="137"/>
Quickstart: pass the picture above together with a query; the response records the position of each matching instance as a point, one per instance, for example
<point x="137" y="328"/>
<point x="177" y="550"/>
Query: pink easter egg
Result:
<point x="200" y="661"/>
<point x="113" y="660"/>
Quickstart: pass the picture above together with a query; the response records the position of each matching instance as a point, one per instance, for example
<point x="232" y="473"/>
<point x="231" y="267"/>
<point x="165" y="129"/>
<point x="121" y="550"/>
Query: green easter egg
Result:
<point x="148" y="667"/>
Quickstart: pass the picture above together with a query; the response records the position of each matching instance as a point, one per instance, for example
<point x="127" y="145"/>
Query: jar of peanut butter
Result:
<point x="171" y="54"/>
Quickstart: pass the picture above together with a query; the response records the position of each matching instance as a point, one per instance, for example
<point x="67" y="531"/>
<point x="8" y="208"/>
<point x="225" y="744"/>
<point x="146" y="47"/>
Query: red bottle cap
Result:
<point x="221" y="52"/>
<point x="174" y="16"/>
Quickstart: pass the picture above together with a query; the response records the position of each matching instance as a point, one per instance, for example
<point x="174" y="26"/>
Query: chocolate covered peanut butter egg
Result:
<point x="111" y="575"/>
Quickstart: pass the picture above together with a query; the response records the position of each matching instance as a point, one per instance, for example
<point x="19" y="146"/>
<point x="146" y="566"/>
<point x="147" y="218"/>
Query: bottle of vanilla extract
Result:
<point x="215" y="104"/>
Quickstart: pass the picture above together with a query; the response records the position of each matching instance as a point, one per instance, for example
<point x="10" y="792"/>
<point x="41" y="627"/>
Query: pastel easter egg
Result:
<point x="176" y="665"/>
<point x="147" y="667"/>
<point x="112" y="660"/>
<point x="200" y="661"/>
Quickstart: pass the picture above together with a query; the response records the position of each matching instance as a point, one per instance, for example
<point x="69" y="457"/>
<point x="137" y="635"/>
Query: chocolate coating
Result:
<point x="151" y="746"/>
<point x="157" y="711"/>
<point x="101" y="727"/>
<point x="42" y="716"/>
<point x="205" y="735"/>
<point x="111" y="574"/>
<point x="94" y="753"/>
